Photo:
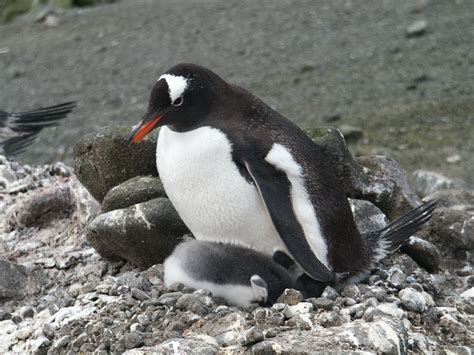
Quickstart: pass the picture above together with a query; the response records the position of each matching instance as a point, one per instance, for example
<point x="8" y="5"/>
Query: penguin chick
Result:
<point x="239" y="275"/>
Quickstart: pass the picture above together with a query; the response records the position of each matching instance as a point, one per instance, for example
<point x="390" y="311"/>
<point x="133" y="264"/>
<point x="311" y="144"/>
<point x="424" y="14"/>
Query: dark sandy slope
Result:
<point x="308" y="59"/>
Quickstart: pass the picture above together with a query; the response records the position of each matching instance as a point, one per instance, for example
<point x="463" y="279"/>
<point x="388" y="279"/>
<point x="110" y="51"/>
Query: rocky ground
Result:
<point x="400" y="72"/>
<point x="80" y="269"/>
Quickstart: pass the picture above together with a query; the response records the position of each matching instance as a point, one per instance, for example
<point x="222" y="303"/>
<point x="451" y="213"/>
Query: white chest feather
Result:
<point x="209" y="193"/>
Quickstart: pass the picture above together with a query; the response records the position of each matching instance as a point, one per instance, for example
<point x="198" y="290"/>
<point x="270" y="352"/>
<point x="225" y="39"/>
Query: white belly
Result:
<point x="211" y="196"/>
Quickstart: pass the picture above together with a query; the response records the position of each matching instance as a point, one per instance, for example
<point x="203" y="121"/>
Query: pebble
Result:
<point x="139" y="294"/>
<point x="49" y="330"/>
<point x="412" y="300"/>
<point x="351" y="291"/>
<point x="417" y="29"/>
<point x="290" y="297"/>
<point x="123" y="289"/>
<point x="329" y="319"/>
<point x="132" y="340"/>
<point x="300" y="308"/>
<point x="323" y="303"/>
<point x="330" y="293"/>
<point x="252" y="336"/>
<point x="169" y="299"/>
<point x="17" y="319"/>
<point x="27" y="312"/>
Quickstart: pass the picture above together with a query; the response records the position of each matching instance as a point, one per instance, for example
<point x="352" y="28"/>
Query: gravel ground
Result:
<point x="314" y="61"/>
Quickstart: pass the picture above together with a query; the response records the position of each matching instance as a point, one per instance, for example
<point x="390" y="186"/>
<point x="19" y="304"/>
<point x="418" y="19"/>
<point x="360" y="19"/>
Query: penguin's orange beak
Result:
<point x="144" y="128"/>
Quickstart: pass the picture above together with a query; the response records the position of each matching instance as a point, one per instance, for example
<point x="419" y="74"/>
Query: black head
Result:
<point x="181" y="98"/>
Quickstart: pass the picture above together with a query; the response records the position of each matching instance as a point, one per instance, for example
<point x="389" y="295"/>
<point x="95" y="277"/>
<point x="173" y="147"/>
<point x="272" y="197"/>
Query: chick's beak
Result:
<point x="141" y="130"/>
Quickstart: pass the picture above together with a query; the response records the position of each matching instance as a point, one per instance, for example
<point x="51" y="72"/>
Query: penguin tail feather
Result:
<point x="388" y="239"/>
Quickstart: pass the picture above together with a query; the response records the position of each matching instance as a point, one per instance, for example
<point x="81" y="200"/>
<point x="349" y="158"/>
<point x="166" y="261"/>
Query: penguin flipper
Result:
<point x="274" y="189"/>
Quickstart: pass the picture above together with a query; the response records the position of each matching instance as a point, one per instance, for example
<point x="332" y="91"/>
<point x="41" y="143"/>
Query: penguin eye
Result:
<point x="178" y="101"/>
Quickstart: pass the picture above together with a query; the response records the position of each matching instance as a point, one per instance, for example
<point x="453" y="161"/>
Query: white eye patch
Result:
<point x="176" y="85"/>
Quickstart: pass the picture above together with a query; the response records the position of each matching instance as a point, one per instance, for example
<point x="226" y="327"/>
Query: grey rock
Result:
<point x="139" y="294"/>
<point x="330" y="293"/>
<point x="41" y="207"/>
<point x="197" y="344"/>
<point x="428" y="182"/>
<point x="49" y="330"/>
<point x="144" y="234"/>
<point x="195" y="302"/>
<point x="384" y="335"/>
<point x="133" y="191"/>
<point x="368" y="217"/>
<point x="396" y="277"/>
<point x="27" y="312"/>
<point x="132" y="340"/>
<point x="16" y="318"/>
<point x="300" y="321"/>
<point x="323" y="303"/>
<point x="451" y="228"/>
<point x="351" y="291"/>
<point x="252" y="336"/>
<point x="425" y="253"/>
<point x="300" y="308"/>
<point x="412" y="300"/>
<point x="416" y="29"/>
<point x="104" y="159"/>
<point x="15" y="281"/>
<point x="170" y="299"/>
<point x="329" y="319"/>
<point x="290" y="297"/>
<point x="388" y="186"/>
<point x="461" y="200"/>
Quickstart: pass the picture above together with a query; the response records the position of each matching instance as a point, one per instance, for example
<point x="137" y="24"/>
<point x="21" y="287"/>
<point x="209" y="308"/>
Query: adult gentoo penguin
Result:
<point x="240" y="275"/>
<point x="239" y="172"/>
<point x="19" y="129"/>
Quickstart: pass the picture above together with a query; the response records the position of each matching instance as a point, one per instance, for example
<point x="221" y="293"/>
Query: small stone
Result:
<point x="169" y="299"/>
<point x="452" y="159"/>
<point x="17" y="319"/>
<point x="279" y="307"/>
<point x="328" y="319"/>
<point x="330" y="293"/>
<point x="143" y="319"/>
<point x="425" y="253"/>
<point x="300" y="321"/>
<point x="132" y="340"/>
<point x="428" y="182"/>
<point x="23" y="333"/>
<point x="139" y="294"/>
<point x="417" y="29"/>
<point x="194" y="302"/>
<point x="397" y="277"/>
<point x="412" y="300"/>
<point x="252" y="336"/>
<point x="290" y="297"/>
<point x="104" y="288"/>
<point x="323" y="303"/>
<point x="351" y="291"/>
<point x="27" y="312"/>
<point x="300" y="308"/>
<point x="390" y="309"/>
<point x="123" y="289"/>
<point x="137" y="328"/>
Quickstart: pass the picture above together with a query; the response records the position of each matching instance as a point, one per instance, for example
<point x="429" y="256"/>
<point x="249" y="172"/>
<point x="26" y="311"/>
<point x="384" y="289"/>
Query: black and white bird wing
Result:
<point x="32" y="121"/>
<point x="274" y="188"/>
<point x="19" y="129"/>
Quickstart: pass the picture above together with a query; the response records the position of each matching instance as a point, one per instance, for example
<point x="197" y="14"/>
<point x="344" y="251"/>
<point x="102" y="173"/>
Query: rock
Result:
<point x="197" y="344"/>
<point x="144" y="234"/>
<point x="391" y="310"/>
<point x="85" y="205"/>
<point x="412" y="300"/>
<point x="388" y="186"/>
<point x="194" y="302"/>
<point x="133" y="191"/>
<point x="468" y="294"/>
<point x="132" y="340"/>
<point x="416" y="29"/>
<point x="328" y="319"/>
<point x="456" y="199"/>
<point x="15" y="281"/>
<point x="428" y="182"/>
<point x="300" y="308"/>
<point x="351" y="291"/>
<point x="383" y="336"/>
<point x="290" y="297"/>
<point x="425" y="254"/>
<point x="323" y="303"/>
<point x="252" y="336"/>
<point x="330" y="293"/>
<point x="368" y="217"/>
<point x="452" y="228"/>
<point x="396" y="277"/>
<point x="139" y="294"/>
<point x="104" y="159"/>
<point x="41" y="207"/>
